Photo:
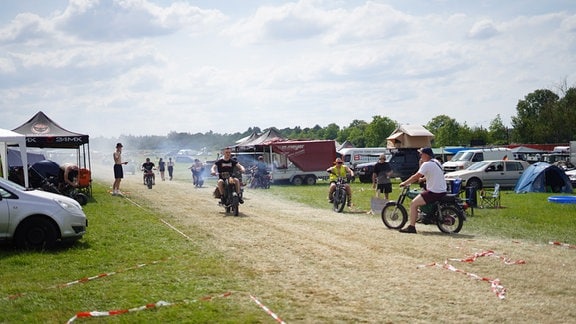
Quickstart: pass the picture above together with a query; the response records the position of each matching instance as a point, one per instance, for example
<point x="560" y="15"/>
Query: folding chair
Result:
<point x="491" y="198"/>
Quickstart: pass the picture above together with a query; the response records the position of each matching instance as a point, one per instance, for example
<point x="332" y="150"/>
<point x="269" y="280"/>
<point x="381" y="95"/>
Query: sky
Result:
<point x="151" y="67"/>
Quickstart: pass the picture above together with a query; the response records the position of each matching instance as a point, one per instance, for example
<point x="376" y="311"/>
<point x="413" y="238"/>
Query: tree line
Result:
<point x="542" y="117"/>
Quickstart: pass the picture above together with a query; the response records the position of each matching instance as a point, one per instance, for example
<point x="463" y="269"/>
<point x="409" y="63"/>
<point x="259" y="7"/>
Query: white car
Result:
<point x="488" y="173"/>
<point x="38" y="219"/>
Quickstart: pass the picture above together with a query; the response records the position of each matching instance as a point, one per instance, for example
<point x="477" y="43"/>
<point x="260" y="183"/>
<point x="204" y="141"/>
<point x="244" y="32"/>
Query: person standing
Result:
<point x="170" y="166"/>
<point x="432" y="171"/>
<point x="162" y="168"/>
<point x="118" y="171"/>
<point x="381" y="177"/>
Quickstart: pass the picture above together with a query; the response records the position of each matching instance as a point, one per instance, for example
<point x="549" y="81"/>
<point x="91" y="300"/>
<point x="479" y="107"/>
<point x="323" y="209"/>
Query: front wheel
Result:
<point x="149" y="182"/>
<point x="451" y="220"/>
<point x="394" y="215"/>
<point x="340" y="198"/>
<point x="36" y="233"/>
<point x="235" y="204"/>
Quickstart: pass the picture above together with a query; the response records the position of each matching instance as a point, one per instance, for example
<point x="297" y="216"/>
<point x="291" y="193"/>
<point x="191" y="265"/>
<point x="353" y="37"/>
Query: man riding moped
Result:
<point x="339" y="170"/>
<point x="225" y="168"/>
<point x="148" y="168"/>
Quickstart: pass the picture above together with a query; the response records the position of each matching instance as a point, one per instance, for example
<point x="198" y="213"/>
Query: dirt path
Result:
<point x="321" y="266"/>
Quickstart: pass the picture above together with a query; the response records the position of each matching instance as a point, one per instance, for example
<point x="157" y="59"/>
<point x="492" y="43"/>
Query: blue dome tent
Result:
<point x="543" y="177"/>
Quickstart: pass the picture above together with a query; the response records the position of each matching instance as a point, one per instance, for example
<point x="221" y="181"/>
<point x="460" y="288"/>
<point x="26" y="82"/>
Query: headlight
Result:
<point x="66" y="204"/>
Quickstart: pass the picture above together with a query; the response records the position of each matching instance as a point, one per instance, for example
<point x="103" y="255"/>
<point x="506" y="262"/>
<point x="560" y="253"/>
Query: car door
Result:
<point x="514" y="170"/>
<point x="494" y="173"/>
<point x="4" y="213"/>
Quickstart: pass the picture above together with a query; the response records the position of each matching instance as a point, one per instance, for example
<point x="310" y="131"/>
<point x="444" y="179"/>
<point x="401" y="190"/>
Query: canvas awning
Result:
<point x="8" y="137"/>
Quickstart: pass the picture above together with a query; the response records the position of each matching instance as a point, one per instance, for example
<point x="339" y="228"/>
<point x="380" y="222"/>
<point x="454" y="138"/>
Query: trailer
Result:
<point x="301" y="162"/>
<point x="293" y="161"/>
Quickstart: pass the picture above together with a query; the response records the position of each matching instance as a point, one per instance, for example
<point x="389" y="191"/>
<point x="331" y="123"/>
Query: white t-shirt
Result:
<point x="434" y="174"/>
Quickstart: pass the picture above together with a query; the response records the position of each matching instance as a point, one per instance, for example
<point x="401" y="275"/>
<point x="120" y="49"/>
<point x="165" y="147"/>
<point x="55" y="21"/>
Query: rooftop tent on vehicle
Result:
<point x="543" y="177"/>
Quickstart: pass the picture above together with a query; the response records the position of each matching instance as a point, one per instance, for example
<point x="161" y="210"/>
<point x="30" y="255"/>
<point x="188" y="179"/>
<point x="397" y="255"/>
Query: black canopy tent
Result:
<point x="43" y="132"/>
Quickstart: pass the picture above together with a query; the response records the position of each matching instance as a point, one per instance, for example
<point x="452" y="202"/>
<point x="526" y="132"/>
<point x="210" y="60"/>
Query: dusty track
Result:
<point x="326" y="267"/>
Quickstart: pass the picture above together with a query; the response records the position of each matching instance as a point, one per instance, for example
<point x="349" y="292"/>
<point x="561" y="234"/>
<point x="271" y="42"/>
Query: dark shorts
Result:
<point x="430" y="197"/>
<point x="118" y="171"/>
<point x="384" y="187"/>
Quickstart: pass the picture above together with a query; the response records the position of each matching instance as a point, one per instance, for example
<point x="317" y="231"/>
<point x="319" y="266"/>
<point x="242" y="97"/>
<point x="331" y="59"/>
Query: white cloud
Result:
<point x="151" y="67"/>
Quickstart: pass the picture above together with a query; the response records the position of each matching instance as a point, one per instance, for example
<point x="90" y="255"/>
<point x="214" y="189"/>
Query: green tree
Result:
<point x="498" y="132"/>
<point x="446" y="130"/>
<point x="378" y="131"/>
<point x="533" y="117"/>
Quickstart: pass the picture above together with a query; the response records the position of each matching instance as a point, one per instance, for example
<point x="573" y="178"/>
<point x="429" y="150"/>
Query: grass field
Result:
<point x="130" y="243"/>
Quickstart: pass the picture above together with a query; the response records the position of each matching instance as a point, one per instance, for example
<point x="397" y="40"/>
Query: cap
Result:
<point x="119" y="145"/>
<point x="426" y="150"/>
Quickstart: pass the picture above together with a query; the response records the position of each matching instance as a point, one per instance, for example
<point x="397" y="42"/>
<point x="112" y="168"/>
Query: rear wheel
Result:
<point x="394" y="216"/>
<point x="36" y="233"/>
<point x="81" y="198"/>
<point x="310" y="180"/>
<point x="451" y="220"/>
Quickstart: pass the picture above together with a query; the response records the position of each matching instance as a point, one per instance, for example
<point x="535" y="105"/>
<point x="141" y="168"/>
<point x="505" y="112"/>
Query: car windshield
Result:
<point x="462" y="156"/>
<point x="8" y="183"/>
<point x="477" y="165"/>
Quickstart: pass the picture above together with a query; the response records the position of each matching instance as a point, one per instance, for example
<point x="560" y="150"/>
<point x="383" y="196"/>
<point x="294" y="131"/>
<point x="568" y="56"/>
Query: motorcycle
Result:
<point x="148" y="178"/>
<point x="231" y="199"/>
<point x="197" y="178"/>
<point x="447" y="213"/>
<point x="50" y="184"/>
<point x="259" y="179"/>
<point x="339" y="196"/>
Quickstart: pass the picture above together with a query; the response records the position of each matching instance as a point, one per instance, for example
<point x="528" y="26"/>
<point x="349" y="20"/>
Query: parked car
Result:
<point x="363" y="171"/>
<point x="572" y="176"/>
<point x="487" y="173"/>
<point x="403" y="162"/>
<point x="38" y="219"/>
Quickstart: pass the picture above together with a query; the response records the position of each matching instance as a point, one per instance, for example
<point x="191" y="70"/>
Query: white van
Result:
<point x="463" y="159"/>
<point x="353" y="156"/>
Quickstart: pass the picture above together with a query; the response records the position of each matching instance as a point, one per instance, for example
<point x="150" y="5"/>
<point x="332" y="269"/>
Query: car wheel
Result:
<point x="36" y="233"/>
<point x="474" y="183"/>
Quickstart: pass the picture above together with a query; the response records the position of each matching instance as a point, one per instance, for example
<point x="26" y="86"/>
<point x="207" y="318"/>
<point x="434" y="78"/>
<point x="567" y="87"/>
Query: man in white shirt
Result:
<point x="431" y="170"/>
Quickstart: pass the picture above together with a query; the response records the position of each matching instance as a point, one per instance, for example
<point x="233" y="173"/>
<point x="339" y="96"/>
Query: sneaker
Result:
<point x="349" y="204"/>
<point x="240" y="200"/>
<point x="410" y="229"/>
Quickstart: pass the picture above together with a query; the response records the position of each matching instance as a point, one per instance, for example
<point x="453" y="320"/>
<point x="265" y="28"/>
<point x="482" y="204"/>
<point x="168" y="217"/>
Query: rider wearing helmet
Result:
<point x="225" y="167"/>
<point x="339" y="170"/>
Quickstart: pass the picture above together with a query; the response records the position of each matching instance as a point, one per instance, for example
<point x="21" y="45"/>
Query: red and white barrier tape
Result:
<point x="495" y="284"/>
<point x="267" y="310"/>
<point x="87" y="279"/>
<point x="164" y="304"/>
<point x="566" y="245"/>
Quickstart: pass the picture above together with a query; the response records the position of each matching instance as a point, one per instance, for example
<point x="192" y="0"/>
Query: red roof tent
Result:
<point x="43" y="132"/>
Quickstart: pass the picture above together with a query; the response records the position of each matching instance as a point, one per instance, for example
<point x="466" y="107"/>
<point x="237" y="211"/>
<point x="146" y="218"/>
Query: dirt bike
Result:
<point x="260" y="180"/>
<point x="50" y="184"/>
<point x="447" y="213"/>
<point x="197" y="178"/>
<point x="231" y="199"/>
<point x="339" y="196"/>
<point x="148" y="178"/>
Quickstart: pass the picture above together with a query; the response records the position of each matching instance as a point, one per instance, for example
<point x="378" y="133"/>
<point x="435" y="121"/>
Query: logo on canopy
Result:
<point x="40" y="128"/>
